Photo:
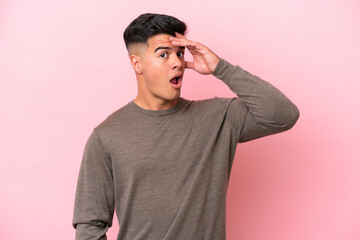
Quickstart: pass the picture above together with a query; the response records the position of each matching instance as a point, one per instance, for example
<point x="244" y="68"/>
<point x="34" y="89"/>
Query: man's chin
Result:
<point x="174" y="98"/>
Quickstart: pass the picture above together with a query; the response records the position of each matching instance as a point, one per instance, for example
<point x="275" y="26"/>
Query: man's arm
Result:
<point x="260" y="110"/>
<point x="94" y="201"/>
<point x="267" y="110"/>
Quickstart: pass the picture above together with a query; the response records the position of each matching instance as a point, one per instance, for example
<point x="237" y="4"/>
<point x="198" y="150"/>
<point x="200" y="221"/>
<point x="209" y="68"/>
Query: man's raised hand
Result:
<point x="204" y="60"/>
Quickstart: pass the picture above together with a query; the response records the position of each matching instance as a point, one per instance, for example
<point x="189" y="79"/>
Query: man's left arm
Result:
<point x="261" y="108"/>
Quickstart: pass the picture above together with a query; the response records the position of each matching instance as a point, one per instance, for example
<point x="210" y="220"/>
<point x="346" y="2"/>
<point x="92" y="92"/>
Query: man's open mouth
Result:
<point x="176" y="81"/>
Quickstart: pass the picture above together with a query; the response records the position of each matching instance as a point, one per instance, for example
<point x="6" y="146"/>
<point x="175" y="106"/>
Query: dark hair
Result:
<point x="149" y="24"/>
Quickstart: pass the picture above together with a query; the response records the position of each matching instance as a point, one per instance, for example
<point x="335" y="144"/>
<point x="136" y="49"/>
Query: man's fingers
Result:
<point x="194" y="47"/>
<point x="183" y="42"/>
<point x="180" y="40"/>
<point x="179" y="35"/>
<point x="191" y="45"/>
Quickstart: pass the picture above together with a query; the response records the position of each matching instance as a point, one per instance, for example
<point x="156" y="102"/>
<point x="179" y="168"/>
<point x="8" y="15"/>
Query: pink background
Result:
<point x="64" y="69"/>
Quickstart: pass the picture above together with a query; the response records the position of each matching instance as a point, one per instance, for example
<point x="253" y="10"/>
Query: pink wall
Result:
<point x="64" y="68"/>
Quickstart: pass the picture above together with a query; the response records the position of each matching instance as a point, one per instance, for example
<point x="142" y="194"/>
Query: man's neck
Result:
<point x="155" y="105"/>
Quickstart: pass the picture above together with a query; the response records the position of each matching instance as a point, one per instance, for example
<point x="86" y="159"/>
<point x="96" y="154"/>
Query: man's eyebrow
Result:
<point x="158" y="48"/>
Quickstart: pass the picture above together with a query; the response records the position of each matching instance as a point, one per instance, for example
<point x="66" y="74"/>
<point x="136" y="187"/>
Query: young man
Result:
<point x="162" y="161"/>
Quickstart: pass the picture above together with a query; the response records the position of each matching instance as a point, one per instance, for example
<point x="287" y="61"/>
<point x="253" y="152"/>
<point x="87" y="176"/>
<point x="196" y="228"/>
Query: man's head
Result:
<point x="150" y="24"/>
<point x="155" y="60"/>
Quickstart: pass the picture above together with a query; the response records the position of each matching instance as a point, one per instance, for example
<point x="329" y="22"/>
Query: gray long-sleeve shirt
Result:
<point x="167" y="172"/>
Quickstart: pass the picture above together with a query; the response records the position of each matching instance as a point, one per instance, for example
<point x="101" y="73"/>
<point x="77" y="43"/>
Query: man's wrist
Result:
<point x="215" y="64"/>
<point x="218" y="67"/>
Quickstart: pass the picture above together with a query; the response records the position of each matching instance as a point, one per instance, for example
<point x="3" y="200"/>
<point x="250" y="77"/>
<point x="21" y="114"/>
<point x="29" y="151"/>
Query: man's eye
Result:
<point x="163" y="55"/>
<point x="180" y="54"/>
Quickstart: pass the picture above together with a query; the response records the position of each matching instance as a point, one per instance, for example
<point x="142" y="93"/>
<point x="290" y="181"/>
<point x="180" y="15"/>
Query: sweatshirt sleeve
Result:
<point x="94" y="201"/>
<point x="260" y="109"/>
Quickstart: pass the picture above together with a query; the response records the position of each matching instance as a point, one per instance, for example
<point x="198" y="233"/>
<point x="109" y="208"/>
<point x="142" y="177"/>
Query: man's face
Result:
<point x="163" y="67"/>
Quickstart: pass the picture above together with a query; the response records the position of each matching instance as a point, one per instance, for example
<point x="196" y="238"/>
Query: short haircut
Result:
<point x="150" y="24"/>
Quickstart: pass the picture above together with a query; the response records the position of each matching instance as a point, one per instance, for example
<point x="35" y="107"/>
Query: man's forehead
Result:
<point x="159" y="39"/>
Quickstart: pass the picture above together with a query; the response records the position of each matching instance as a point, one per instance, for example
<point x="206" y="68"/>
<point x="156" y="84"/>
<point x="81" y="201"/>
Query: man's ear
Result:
<point x="136" y="63"/>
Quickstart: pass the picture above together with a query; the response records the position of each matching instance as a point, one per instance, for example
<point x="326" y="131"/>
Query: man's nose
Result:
<point x="177" y="62"/>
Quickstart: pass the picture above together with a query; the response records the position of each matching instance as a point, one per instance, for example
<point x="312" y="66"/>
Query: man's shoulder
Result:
<point x="219" y="100"/>
<point x="213" y="104"/>
<point x="115" y="119"/>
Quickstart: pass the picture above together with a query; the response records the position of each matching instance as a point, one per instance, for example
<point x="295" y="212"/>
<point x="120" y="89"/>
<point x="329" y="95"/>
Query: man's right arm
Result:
<point x="94" y="201"/>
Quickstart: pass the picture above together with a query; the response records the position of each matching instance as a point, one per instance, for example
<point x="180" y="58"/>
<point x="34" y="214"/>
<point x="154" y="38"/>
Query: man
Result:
<point x="162" y="161"/>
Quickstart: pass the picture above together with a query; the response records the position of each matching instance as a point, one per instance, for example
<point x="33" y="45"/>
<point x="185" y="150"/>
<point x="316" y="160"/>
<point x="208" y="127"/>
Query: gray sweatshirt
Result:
<point x="167" y="172"/>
